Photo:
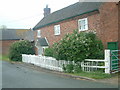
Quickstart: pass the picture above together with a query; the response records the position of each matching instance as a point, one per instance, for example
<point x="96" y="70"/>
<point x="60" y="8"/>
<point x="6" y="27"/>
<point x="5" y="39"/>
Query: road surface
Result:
<point x="19" y="76"/>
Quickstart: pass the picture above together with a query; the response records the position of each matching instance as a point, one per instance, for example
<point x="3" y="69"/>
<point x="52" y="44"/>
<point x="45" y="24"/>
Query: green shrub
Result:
<point x="64" y="68"/>
<point x="48" y="52"/>
<point x="78" y="46"/>
<point x="77" y="68"/>
<point x="20" y="47"/>
<point x="68" y="68"/>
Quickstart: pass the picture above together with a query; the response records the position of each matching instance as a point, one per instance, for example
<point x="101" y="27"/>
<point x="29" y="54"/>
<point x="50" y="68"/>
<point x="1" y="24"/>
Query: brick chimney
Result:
<point x="46" y="11"/>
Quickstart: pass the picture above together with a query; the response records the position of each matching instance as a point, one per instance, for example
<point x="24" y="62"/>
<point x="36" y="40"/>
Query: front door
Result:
<point x="113" y="45"/>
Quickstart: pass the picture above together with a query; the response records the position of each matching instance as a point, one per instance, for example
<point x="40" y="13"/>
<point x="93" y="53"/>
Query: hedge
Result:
<point x="20" y="47"/>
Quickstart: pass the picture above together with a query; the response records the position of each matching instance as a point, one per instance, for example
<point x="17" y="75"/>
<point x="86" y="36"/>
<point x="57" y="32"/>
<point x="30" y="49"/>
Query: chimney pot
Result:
<point x="46" y="11"/>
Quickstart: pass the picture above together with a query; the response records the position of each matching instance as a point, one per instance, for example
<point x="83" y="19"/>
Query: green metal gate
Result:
<point x="115" y="57"/>
<point x="115" y="61"/>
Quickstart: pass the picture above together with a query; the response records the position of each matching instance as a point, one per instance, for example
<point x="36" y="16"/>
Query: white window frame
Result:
<point x="83" y="26"/>
<point x="57" y="30"/>
<point x="38" y="33"/>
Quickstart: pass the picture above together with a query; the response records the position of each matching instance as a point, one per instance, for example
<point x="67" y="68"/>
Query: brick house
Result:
<point x="9" y="36"/>
<point x="101" y="17"/>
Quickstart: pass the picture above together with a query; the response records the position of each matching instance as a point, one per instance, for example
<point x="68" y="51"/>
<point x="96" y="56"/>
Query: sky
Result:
<point x="25" y="14"/>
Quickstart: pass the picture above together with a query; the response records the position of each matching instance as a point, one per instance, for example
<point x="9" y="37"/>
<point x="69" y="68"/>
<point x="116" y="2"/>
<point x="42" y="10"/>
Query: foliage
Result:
<point x="64" y="68"/>
<point x="77" y="68"/>
<point x="68" y="68"/>
<point x="48" y="52"/>
<point x="20" y="47"/>
<point x="78" y="46"/>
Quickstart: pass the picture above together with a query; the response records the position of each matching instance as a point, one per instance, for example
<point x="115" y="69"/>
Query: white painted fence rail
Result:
<point x="51" y="63"/>
<point x="44" y="62"/>
<point x="93" y="64"/>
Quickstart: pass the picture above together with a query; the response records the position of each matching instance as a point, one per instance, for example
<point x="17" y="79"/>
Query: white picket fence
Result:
<point x="94" y="65"/>
<point x="51" y="63"/>
<point x="45" y="62"/>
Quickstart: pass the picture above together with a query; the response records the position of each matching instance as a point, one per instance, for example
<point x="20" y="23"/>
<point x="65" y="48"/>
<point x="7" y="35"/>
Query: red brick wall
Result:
<point x="119" y="24"/>
<point x="104" y="22"/>
<point x="36" y="51"/>
<point x="109" y="23"/>
<point x="119" y="30"/>
<point x="6" y="45"/>
<point x="68" y="26"/>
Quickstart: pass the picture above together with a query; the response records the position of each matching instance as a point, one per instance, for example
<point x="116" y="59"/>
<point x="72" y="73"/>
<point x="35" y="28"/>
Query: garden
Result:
<point x="76" y="47"/>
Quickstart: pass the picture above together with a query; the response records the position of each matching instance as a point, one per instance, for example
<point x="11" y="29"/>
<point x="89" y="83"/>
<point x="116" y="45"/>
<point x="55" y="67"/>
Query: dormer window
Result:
<point x="38" y="33"/>
<point x="83" y="24"/>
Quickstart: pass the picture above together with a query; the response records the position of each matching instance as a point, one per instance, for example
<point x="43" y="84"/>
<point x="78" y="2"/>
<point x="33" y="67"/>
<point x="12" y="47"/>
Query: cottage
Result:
<point x="100" y="17"/>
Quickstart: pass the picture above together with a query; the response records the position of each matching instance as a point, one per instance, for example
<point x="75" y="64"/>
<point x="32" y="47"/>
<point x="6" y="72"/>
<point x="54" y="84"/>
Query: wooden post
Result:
<point x="107" y="61"/>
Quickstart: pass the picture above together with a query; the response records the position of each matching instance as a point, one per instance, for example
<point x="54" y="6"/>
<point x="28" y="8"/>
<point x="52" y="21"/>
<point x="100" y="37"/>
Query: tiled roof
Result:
<point x="9" y="35"/>
<point x="29" y="35"/>
<point x="71" y="11"/>
<point x="14" y="34"/>
<point x="42" y="42"/>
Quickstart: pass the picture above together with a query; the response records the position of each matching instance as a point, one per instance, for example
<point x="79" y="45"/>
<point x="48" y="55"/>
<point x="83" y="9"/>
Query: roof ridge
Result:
<point x="56" y="12"/>
<point x="65" y="7"/>
<point x="68" y="12"/>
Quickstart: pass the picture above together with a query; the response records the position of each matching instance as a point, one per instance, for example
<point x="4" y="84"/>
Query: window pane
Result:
<point x="58" y="29"/>
<point x="86" y="21"/>
<point x="83" y="24"/>
<point x="38" y="33"/>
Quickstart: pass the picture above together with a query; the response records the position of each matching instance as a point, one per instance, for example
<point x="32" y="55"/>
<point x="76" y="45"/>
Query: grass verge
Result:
<point x="4" y="57"/>
<point x="94" y="75"/>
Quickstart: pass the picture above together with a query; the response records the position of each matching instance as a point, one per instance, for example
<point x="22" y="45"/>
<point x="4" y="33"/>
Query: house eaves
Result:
<point x="65" y="19"/>
<point x="69" y="12"/>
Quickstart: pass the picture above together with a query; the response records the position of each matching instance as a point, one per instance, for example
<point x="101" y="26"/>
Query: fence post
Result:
<point x="23" y="60"/>
<point x="107" y="61"/>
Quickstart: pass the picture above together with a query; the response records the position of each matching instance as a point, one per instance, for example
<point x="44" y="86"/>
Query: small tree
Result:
<point x="20" y="47"/>
<point x="3" y="27"/>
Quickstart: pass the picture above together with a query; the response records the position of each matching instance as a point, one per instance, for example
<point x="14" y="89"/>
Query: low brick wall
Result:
<point x="5" y="45"/>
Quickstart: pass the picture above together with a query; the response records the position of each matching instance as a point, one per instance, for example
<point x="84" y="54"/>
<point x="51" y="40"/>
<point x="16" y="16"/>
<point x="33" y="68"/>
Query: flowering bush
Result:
<point x="20" y="47"/>
<point x="78" y="46"/>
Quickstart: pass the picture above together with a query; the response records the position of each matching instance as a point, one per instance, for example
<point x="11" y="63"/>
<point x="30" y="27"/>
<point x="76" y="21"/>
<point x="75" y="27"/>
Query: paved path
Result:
<point x="17" y="76"/>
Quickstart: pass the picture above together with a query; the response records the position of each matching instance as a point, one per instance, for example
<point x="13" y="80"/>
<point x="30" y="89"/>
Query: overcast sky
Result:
<point x="26" y="14"/>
